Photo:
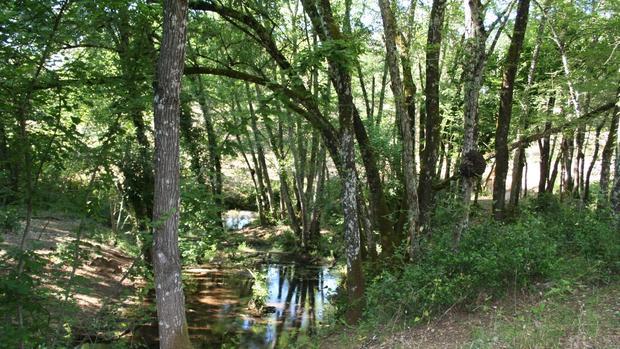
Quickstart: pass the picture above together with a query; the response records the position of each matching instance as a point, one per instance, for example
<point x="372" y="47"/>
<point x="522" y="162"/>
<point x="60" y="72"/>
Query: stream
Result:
<point x="220" y="310"/>
<point x="276" y="304"/>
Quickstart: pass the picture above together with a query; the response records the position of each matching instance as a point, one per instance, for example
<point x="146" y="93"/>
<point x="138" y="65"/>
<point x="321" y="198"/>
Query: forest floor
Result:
<point x="556" y="316"/>
<point x="101" y="274"/>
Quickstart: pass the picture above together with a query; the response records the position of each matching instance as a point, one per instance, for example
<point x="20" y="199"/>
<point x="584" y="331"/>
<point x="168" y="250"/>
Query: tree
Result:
<point x="505" y="108"/>
<point x="405" y="124"/>
<point x="608" y="150"/>
<point x="433" y="118"/>
<point x="166" y="260"/>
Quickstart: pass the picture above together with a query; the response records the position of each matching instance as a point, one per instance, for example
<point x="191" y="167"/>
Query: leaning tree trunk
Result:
<point x="554" y="171"/>
<point x="432" y="120"/>
<point x="407" y="135"/>
<point x="505" y="109"/>
<point x="166" y="261"/>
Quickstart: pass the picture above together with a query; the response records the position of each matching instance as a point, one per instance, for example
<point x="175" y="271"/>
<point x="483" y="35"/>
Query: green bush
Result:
<point x="9" y="219"/>
<point x="493" y="258"/>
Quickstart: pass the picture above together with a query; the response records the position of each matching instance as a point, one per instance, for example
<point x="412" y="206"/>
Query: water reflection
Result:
<point x="297" y="302"/>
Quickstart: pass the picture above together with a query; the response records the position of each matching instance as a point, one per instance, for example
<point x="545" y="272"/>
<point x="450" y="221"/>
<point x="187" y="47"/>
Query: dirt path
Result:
<point x="101" y="267"/>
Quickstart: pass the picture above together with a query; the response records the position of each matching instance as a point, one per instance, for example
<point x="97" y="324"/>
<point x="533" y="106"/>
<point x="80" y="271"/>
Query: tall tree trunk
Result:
<point x="257" y="153"/>
<point x="189" y="135"/>
<point x="166" y="261"/>
<point x="139" y="181"/>
<point x="473" y="69"/>
<point x="505" y="109"/>
<point x="579" y="166"/>
<point x="406" y="128"/>
<point x="568" y="150"/>
<point x="215" y="158"/>
<point x="607" y="154"/>
<point x="382" y="93"/>
<point x="433" y="116"/>
<point x="597" y="134"/>
<point x="328" y="30"/>
<point x="615" y="191"/>
<point x="545" y="161"/>
<point x="318" y="197"/>
<point x="519" y="154"/>
<point x="554" y="170"/>
<point x="261" y="157"/>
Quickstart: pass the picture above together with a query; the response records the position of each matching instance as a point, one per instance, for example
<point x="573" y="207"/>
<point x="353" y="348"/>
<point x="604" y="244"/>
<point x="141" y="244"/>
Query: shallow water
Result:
<point x="220" y="311"/>
<point x="235" y="220"/>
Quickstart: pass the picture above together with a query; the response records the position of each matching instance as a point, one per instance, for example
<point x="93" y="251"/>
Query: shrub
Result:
<point x="492" y="258"/>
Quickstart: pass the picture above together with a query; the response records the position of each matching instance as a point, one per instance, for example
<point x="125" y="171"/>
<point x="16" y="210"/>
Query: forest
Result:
<point x="309" y="174"/>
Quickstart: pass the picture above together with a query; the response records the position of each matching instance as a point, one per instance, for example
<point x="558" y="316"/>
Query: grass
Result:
<point x="580" y="318"/>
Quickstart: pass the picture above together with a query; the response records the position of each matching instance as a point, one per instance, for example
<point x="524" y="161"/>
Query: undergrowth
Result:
<point x="560" y="244"/>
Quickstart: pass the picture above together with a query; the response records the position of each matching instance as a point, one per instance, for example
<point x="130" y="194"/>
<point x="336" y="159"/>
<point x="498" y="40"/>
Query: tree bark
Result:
<point x="568" y="151"/>
<point x="615" y="192"/>
<point x="607" y="154"/>
<point x="329" y="31"/>
<point x="505" y="109"/>
<point x="433" y="116"/>
<point x="545" y="163"/>
<point x="473" y="69"/>
<point x="170" y="299"/>
<point x="406" y="129"/>
<point x="519" y="154"/>
<point x="597" y="134"/>
<point x="215" y="158"/>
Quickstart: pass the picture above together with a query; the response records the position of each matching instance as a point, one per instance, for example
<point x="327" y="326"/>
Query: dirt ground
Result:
<point x="102" y="271"/>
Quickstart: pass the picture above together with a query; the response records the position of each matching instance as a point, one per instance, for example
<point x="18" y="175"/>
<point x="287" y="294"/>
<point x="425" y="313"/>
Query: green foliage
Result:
<point x="9" y="219"/>
<point x="23" y="297"/>
<point x="492" y="259"/>
<point x="287" y="241"/>
<point x="197" y="251"/>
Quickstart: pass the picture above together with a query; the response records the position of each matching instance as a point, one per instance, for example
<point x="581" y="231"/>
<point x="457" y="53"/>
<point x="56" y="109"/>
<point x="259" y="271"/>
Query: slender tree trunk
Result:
<point x="215" y="158"/>
<point x="433" y="116"/>
<point x="554" y="171"/>
<point x="166" y="260"/>
<point x="568" y="150"/>
<point x="597" y="134"/>
<point x="615" y="191"/>
<point x="473" y="69"/>
<point x="318" y="197"/>
<point x="407" y="136"/>
<point x="544" y="148"/>
<point x="189" y="135"/>
<point x="382" y="93"/>
<point x="505" y="109"/>
<point x="519" y="153"/>
<point x="607" y="154"/>
<point x="580" y="138"/>
<point x="328" y="30"/>
<point x="257" y="152"/>
<point x="139" y="180"/>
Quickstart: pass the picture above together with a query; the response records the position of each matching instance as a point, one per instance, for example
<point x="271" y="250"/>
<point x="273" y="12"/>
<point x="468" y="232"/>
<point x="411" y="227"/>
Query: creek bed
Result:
<point x="221" y="310"/>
